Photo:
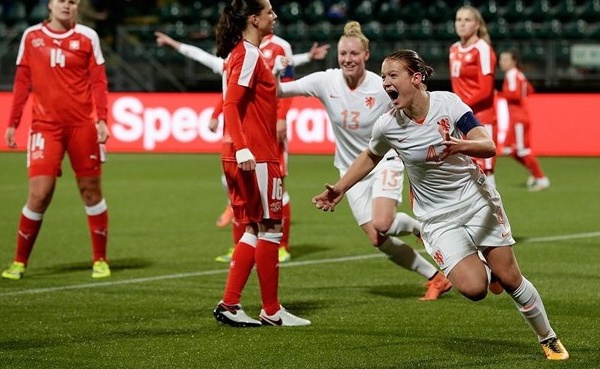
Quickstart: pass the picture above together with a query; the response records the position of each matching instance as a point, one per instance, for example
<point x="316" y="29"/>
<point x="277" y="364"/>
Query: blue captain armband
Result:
<point x="467" y="122"/>
<point x="288" y="72"/>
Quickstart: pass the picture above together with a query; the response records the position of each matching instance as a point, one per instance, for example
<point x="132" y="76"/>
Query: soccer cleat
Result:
<point x="437" y="287"/>
<point x="554" y="350"/>
<point x="225" y="258"/>
<point x="539" y="184"/>
<point x="14" y="272"/>
<point x="530" y="181"/>
<point x="226" y="217"/>
<point x="100" y="269"/>
<point x="284" y="255"/>
<point x="234" y="316"/>
<point x="282" y="318"/>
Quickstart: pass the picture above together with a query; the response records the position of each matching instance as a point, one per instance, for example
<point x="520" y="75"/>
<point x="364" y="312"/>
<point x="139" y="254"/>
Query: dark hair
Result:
<point x="515" y="55"/>
<point x="413" y="62"/>
<point x="233" y="22"/>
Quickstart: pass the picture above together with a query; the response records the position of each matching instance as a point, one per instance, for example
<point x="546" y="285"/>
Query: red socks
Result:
<point x="240" y="267"/>
<point x="285" y="223"/>
<point x="98" y="225"/>
<point x="29" y="227"/>
<point x="267" y="267"/>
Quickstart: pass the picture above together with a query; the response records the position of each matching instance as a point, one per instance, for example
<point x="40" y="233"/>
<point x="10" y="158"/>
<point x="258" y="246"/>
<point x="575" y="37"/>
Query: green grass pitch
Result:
<point x="156" y="309"/>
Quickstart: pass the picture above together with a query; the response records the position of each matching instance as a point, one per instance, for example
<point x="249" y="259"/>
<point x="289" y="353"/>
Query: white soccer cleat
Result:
<point x="234" y="316"/>
<point x="282" y="318"/>
<point x="539" y="184"/>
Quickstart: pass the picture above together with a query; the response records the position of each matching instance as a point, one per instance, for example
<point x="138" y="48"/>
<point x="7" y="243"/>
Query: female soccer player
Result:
<point x="353" y="99"/>
<point x="515" y="90"/>
<point x="465" y="228"/>
<point x="472" y="68"/>
<point x="272" y="47"/>
<point x="250" y="159"/>
<point x="61" y="63"/>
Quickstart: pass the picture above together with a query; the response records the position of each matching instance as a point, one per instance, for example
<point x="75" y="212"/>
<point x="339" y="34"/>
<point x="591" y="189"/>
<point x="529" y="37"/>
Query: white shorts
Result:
<point x="385" y="180"/>
<point x="451" y="237"/>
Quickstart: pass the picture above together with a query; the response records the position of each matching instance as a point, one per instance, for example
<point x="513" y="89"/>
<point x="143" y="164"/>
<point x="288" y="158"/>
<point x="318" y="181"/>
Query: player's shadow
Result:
<point x="115" y="265"/>
<point x="405" y="291"/>
<point x="302" y="250"/>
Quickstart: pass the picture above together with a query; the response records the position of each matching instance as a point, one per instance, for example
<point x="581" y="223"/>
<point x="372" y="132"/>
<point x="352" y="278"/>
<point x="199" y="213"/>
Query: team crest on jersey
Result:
<point x="37" y="42"/>
<point x="444" y="127"/>
<point x="469" y="57"/>
<point x="275" y="207"/>
<point x="74" y="45"/>
<point x="268" y="53"/>
<point x="370" y="102"/>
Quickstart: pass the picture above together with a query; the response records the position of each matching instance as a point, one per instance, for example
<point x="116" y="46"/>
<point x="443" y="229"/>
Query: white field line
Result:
<point x="34" y="291"/>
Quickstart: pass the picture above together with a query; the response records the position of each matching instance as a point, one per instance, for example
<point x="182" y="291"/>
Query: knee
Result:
<point x="474" y="291"/>
<point x="38" y="201"/>
<point x="382" y="224"/>
<point x="474" y="294"/>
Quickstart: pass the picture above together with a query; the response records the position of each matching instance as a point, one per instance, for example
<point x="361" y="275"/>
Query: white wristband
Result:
<point x="243" y="155"/>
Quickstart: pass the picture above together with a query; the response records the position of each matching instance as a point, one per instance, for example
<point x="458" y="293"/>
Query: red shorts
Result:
<point x="518" y="138"/>
<point x="489" y="164"/>
<point x="48" y="144"/>
<point x="254" y="195"/>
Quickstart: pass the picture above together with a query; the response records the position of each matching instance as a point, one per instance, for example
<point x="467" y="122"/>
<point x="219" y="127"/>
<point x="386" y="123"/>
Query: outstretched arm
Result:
<point x="362" y="165"/>
<point x="195" y="53"/>
<point x="317" y="52"/>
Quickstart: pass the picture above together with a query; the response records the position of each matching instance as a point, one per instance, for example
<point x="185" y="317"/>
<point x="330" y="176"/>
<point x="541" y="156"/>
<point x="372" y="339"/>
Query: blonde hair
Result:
<point x="353" y="29"/>
<point x="482" y="32"/>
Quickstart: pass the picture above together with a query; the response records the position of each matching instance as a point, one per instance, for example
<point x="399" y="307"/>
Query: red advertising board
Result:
<point x="563" y="124"/>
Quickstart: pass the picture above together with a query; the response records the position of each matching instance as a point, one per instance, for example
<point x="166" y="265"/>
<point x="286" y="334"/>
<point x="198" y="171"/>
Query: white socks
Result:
<point x="530" y="305"/>
<point x="403" y="225"/>
<point x="405" y="256"/>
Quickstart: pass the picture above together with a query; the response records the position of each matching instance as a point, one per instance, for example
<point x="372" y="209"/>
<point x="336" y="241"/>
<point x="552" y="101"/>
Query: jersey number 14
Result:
<point x="57" y="58"/>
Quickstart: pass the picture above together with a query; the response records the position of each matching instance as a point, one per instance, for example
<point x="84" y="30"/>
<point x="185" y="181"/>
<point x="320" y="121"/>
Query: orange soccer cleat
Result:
<point x="226" y="217"/>
<point x="436" y="287"/>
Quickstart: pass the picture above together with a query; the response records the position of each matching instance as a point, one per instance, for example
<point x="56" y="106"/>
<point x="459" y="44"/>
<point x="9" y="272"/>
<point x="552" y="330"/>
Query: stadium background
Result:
<point x="559" y="41"/>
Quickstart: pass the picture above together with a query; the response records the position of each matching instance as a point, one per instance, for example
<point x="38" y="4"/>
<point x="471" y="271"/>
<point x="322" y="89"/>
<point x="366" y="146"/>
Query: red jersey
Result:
<point x="515" y="89"/>
<point x="249" y="105"/>
<point x="271" y="47"/>
<point x="65" y="69"/>
<point x="468" y="67"/>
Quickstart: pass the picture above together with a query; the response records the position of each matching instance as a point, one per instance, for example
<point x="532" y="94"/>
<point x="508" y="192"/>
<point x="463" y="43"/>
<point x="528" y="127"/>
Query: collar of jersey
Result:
<point x="65" y="34"/>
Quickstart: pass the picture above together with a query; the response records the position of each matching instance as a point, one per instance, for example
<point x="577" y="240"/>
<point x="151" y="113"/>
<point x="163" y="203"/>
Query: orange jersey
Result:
<point x="67" y="78"/>
<point x="515" y="90"/>
<point x="249" y="105"/>
<point x="470" y="71"/>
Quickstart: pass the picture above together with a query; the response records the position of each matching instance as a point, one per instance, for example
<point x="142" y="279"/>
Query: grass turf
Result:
<point x="156" y="309"/>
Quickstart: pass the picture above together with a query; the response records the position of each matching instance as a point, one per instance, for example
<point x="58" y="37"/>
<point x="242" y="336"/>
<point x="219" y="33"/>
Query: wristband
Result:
<point x="243" y="155"/>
